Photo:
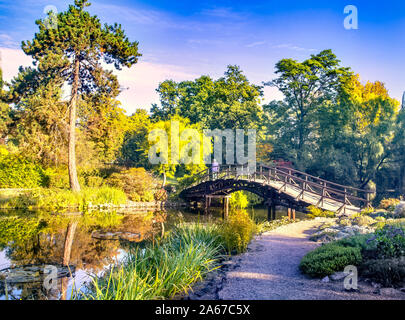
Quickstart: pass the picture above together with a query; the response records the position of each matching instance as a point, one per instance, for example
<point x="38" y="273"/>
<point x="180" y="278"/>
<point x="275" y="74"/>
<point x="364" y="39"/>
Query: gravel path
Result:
<point x="269" y="270"/>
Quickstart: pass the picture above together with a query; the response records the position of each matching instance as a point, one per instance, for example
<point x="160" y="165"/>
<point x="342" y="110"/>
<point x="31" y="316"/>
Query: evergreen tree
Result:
<point x="73" y="50"/>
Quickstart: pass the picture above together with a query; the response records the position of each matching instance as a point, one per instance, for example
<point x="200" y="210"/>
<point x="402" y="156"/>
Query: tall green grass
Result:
<point x="162" y="270"/>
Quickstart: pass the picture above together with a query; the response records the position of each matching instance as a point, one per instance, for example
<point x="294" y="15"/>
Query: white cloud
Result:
<point x="142" y="79"/>
<point x="255" y="44"/>
<point x="11" y="60"/>
<point x="293" y="47"/>
<point x="7" y="41"/>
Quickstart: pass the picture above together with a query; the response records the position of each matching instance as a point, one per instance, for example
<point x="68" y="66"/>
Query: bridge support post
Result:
<point x="271" y="211"/>
<point x="225" y="213"/>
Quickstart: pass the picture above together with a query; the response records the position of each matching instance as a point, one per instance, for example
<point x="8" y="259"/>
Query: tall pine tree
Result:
<point x="71" y="45"/>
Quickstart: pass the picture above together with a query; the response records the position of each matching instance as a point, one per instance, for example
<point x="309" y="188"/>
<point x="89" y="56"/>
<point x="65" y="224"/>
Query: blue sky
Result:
<point x="184" y="39"/>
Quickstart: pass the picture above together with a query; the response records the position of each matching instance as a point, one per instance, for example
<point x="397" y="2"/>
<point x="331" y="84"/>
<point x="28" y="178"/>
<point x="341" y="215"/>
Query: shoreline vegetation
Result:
<point x="88" y="198"/>
<point x="170" y="266"/>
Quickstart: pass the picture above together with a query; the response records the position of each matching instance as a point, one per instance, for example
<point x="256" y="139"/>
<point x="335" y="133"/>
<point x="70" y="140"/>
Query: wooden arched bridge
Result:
<point x="279" y="186"/>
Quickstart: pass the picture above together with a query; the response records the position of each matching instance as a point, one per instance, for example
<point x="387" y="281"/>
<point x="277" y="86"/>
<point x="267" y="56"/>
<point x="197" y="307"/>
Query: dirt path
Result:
<point x="269" y="270"/>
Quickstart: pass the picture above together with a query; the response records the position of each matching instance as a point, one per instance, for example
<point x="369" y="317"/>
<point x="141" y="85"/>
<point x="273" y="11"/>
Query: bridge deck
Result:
<point x="310" y="197"/>
<point x="296" y="186"/>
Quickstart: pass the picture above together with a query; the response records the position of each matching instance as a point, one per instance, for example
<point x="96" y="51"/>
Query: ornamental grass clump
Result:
<point x="237" y="231"/>
<point x="161" y="270"/>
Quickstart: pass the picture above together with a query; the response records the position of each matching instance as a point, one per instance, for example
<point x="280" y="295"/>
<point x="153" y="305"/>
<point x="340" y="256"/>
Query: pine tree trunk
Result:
<point x="164" y="179"/>
<point x="67" y="249"/>
<point x="74" y="182"/>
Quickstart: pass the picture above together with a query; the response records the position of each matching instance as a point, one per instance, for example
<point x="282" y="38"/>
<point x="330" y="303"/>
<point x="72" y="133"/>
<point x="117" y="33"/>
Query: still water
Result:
<point x="35" y="244"/>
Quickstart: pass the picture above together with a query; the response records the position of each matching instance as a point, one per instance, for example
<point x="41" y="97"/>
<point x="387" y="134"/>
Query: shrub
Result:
<point x="389" y="242"/>
<point x="399" y="211"/>
<point x="388" y="272"/>
<point x="362" y="220"/>
<point x="330" y="258"/>
<point x="389" y="204"/>
<point x="94" y="181"/>
<point x="137" y="183"/>
<point x="18" y="172"/>
<point x="238" y="230"/>
<point x="61" y="198"/>
<point x="271" y="225"/>
<point x="315" y="212"/>
<point x="238" y="200"/>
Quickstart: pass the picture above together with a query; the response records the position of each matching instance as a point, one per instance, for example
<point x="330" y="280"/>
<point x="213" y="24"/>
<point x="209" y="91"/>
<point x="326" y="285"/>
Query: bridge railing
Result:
<point x="304" y="183"/>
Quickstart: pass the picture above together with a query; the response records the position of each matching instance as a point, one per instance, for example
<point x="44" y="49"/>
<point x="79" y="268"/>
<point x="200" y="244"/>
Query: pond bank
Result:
<point x="270" y="269"/>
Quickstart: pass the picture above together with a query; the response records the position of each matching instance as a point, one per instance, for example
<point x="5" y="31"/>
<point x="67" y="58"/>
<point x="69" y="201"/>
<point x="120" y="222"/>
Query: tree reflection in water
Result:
<point x="61" y="239"/>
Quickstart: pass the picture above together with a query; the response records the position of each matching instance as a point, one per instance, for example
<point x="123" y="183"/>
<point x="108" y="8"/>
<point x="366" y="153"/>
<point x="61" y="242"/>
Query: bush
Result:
<point x="59" y="198"/>
<point x="399" y="211"/>
<point x="388" y="272"/>
<point x="137" y="183"/>
<point x="389" y="204"/>
<point x="274" y="224"/>
<point x="330" y="258"/>
<point x="362" y="220"/>
<point x="18" y="172"/>
<point x="315" y="212"/>
<point x="237" y="231"/>
<point x="238" y="200"/>
<point x="389" y="242"/>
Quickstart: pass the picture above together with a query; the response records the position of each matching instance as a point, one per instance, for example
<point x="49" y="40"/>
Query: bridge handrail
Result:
<point x="320" y="179"/>
<point x="295" y="178"/>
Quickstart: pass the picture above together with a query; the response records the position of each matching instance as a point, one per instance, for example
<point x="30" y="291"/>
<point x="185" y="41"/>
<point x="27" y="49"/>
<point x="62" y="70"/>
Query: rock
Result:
<point x="338" y="276"/>
<point x="399" y="211"/>
<point x="376" y="285"/>
<point x="389" y="291"/>
<point x="133" y="237"/>
<point x="326" y="279"/>
<point x="33" y="273"/>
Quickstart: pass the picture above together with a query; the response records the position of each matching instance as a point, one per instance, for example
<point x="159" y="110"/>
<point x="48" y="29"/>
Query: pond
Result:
<point x="35" y="244"/>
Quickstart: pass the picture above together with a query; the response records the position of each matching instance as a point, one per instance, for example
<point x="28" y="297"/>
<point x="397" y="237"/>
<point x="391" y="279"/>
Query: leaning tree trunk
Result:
<point x="164" y="179"/>
<point x="74" y="182"/>
<point x="67" y="253"/>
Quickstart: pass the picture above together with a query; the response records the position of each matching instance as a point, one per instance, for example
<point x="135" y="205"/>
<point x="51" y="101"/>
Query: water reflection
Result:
<point x="88" y="243"/>
<point x="42" y="239"/>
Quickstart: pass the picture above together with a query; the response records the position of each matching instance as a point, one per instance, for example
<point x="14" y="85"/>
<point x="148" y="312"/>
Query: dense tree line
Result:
<point x="329" y="123"/>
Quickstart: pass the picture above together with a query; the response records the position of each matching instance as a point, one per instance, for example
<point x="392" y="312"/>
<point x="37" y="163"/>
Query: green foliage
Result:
<point x="238" y="200"/>
<point x="229" y="102"/>
<point x="315" y="212"/>
<point x="389" y="242"/>
<point x="238" y="230"/>
<point x="160" y="271"/>
<point x="18" y="172"/>
<point x="330" y="258"/>
<point x="169" y="167"/>
<point x="274" y="224"/>
<point x="71" y="53"/>
<point x="52" y="199"/>
<point x="132" y="151"/>
<point x="307" y="86"/>
<point x="18" y="229"/>
<point x="137" y="183"/>
<point x="362" y="220"/>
